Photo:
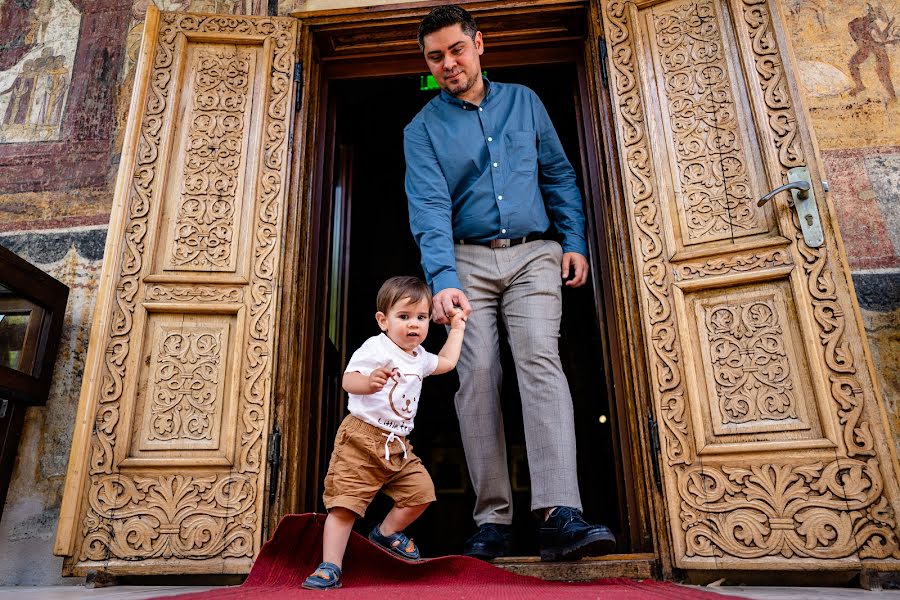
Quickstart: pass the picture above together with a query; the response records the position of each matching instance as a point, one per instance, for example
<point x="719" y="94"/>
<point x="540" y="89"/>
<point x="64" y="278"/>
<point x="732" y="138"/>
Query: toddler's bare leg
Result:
<point x="400" y="518"/>
<point x="338" y="525"/>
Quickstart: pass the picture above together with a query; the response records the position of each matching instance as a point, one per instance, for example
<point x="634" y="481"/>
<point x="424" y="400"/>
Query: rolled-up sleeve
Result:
<point x="558" y="184"/>
<point x="430" y="208"/>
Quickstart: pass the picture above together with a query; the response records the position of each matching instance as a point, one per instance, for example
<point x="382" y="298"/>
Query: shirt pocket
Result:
<point x="522" y="148"/>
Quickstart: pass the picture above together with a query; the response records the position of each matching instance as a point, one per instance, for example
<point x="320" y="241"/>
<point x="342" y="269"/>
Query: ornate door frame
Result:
<point x="348" y="31"/>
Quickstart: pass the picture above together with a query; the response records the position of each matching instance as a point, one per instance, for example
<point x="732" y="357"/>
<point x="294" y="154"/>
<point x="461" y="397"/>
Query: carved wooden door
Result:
<point x="167" y="470"/>
<point x="774" y="447"/>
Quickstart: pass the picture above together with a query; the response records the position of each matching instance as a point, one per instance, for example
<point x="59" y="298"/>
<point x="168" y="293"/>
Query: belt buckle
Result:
<point x="501" y="243"/>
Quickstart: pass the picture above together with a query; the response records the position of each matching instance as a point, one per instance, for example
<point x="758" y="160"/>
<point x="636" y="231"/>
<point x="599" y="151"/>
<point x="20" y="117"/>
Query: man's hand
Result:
<point x="448" y="300"/>
<point x="458" y="320"/>
<point x="578" y="263"/>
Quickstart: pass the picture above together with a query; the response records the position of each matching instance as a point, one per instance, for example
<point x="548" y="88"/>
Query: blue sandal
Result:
<point x="397" y="544"/>
<point x="326" y="577"/>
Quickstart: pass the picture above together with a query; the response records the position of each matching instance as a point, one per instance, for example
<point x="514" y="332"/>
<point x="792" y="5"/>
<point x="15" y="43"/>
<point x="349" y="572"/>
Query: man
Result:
<point x="486" y="175"/>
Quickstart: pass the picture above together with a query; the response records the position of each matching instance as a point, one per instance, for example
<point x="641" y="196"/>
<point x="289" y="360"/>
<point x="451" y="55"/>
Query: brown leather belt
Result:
<point x="502" y="243"/>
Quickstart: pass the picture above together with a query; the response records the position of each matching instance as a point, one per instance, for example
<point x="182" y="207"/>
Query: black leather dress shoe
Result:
<point x="566" y="536"/>
<point x="489" y="542"/>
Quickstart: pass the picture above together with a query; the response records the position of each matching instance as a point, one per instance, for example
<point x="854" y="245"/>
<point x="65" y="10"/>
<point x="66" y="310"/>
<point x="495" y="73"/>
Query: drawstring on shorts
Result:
<point x="387" y="445"/>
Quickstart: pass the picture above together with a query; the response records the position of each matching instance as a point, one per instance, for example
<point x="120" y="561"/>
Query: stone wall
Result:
<point x="66" y="71"/>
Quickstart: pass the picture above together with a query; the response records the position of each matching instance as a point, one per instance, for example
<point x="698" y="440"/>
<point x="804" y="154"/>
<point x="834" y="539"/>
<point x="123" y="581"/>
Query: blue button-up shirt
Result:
<point x="485" y="172"/>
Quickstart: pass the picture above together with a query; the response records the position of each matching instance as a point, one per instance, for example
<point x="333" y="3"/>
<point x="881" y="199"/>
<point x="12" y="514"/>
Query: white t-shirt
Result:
<point x="394" y="407"/>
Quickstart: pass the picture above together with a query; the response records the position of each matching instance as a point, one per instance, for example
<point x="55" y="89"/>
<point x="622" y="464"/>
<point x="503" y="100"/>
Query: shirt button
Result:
<point x="500" y="197"/>
<point x="502" y="231"/>
<point x="480" y="109"/>
<point x="496" y="165"/>
<point x="490" y="139"/>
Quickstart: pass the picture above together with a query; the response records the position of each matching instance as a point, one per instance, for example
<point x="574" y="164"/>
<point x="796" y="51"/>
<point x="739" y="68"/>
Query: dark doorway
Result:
<point x="368" y="116"/>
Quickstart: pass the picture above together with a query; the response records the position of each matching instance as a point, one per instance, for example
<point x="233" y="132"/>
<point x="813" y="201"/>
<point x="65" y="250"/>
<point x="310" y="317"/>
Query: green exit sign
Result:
<point x="427" y="82"/>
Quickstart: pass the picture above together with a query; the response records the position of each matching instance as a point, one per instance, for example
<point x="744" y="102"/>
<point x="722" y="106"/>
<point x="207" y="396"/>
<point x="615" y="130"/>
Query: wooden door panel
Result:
<point x="714" y="174"/>
<point x="169" y="476"/>
<point x="772" y="437"/>
<point x="748" y="377"/>
<point x="215" y="117"/>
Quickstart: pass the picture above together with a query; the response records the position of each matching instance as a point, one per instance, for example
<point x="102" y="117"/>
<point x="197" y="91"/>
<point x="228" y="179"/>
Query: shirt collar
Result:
<point x="488" y="88"/>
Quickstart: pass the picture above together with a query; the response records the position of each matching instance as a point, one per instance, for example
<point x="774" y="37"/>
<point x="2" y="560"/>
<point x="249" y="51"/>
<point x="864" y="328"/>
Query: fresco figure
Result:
<point x="34" y="88"/>
<point x="53" y="91"/>
<point x="872" y="39"/>
<point x="21" y="92"/>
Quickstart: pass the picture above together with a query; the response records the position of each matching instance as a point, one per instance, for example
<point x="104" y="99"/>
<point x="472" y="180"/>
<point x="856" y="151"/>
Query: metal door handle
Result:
<point x="802" y="188"/>
<point x="804" y="197"/>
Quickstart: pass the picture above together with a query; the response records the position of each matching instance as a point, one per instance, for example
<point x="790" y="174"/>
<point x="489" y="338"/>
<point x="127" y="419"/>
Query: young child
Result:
<point x="371" y="452"/>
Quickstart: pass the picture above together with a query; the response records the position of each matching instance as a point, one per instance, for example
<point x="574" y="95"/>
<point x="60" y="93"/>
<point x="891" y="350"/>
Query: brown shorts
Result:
<point x="358" y="470"/>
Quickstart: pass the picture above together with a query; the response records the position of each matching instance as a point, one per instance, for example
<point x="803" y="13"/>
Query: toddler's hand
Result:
<point x="458" y="319"/>
<point x="378" y="378"/>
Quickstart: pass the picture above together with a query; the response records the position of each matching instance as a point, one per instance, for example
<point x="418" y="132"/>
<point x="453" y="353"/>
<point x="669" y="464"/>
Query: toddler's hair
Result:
<point x="399" y="288"/>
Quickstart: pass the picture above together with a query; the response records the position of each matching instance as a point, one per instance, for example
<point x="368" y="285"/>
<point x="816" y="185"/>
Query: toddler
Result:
<point x="371" y="451"/>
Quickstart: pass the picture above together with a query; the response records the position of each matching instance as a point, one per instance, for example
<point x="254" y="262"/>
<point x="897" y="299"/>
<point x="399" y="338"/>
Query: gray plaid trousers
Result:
<point x="522" y="286"/>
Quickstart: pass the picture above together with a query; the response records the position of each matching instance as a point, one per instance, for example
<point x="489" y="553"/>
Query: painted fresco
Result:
<point x="38" y="40"/>
<point x="848" y="56"/>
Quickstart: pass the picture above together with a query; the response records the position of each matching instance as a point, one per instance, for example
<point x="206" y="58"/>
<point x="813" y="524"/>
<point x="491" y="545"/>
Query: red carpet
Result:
<point x="370" y="573"/>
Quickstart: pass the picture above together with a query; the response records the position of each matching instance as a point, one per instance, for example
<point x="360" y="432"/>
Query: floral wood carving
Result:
<point x="772" y="81"/>
<point x="736" y="264"/>
<point x="198" y="293"/>
<point x="751" y="371"/>
<point x="715" y="197"/>
<point x="204" y="229"/>
<point x="130" y="517"/>
<point x="184" y="390"/>
<point x="666" y="369"/>
<point x="820" y="510"/>
<point x="170" y="516"/>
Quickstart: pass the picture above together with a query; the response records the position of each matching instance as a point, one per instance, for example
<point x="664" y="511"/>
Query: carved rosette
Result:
<point x="190" y="516"/>
<point x="716" y="197"/>
<point x="750" y="365"/>
<point x="824" y="510"/>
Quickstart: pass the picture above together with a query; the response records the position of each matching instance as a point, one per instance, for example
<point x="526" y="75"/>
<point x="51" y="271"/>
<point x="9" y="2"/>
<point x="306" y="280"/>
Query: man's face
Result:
<point x="454" y="58"/>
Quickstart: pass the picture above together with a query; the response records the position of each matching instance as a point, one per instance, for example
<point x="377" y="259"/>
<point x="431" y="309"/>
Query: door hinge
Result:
<point x="654" y="448"/>
<point x="274" y="457"/>
<point x="604" y="55"/>
<point x="298" y="80"/>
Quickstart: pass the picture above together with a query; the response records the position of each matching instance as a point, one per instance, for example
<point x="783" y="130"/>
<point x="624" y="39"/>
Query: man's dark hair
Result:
<point x="446" y="16"/>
